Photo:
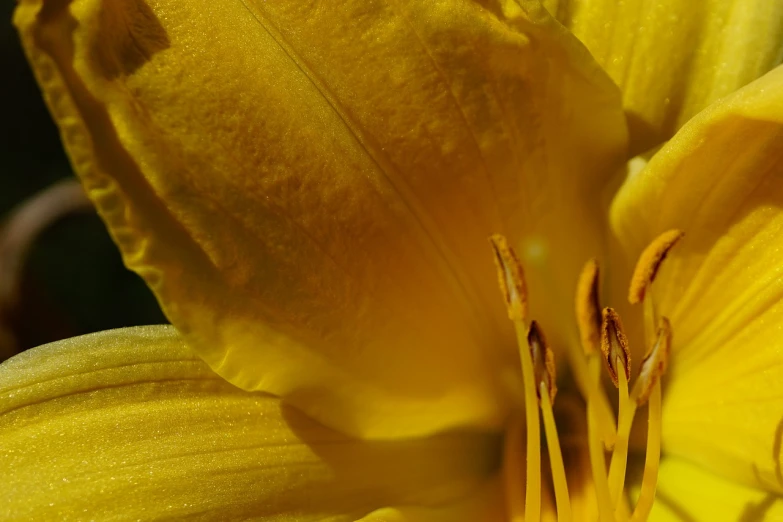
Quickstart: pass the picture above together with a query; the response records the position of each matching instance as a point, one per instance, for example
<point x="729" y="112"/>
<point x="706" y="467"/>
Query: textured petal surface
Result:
<point x="687" y="493"/>
<point x="483" y="505"/>
<point x="129" y="424"/>
<point x="673" y="58"/>
<point x="308" y="187"/>
<point x="720" y="180"/>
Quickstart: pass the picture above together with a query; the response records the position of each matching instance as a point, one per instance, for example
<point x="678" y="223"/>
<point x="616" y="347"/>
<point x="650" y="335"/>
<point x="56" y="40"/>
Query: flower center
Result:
<point x="604" y="343"/>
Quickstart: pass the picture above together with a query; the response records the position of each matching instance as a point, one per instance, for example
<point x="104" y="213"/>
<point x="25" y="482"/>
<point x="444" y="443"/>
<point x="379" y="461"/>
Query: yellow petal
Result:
<point x="129" y="424"/>
<point x="688" y="493"/>
<point x="673" y="58"/>
<point x="720" y="180"/>
<point x="308" y="188"/>
<point x="486" y="504"/>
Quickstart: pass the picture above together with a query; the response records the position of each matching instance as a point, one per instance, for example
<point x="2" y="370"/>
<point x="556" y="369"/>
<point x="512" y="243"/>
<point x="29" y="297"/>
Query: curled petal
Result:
<point x="672" y="58"/>
<point x="308" y="187"/>
<point x="719" y="180"/>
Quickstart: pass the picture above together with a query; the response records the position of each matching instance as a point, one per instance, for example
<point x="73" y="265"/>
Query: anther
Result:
<point x="614" y="345"/>
<point x="511" y="278"/>
<point x="588" y="308"/>
<point x="649" y="262"/>
<point x="655" y="362"/>
<point x="543" y="361"/>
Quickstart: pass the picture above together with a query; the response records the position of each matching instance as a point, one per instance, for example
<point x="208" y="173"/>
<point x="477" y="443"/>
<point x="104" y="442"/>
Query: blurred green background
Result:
<point x="73" y="280"/>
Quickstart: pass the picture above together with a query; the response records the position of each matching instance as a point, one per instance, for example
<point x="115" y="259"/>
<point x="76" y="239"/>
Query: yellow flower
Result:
<point x="309" y="188"/>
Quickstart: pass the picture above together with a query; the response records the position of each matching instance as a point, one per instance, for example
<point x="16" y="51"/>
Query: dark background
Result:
<point x="73" y="281"/>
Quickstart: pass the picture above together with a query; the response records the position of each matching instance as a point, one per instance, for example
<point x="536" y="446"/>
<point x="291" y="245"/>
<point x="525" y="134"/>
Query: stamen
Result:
<point x="614" y="345"/>
<point x="514" y="479"/>
<point x="597" y="394"/>
<point x="588" y="308"/>
<point x="588" y="316"/>
<point x="649" y="386"/>
<point x="533" y="475"/>
<point x="655" y="362"/>
<point x="598" y="465"/>
<point x="512" y="284"/>
<point x="555" y="458"/>
<point x="649" y="262"/>
<point x="652" y="459"/>
<point x="543" y="360"/>
<point x="648" y="383"/>
<point x="544" y="366"/>
<point x="617" y="468"/>
<point x="597" y="329"/>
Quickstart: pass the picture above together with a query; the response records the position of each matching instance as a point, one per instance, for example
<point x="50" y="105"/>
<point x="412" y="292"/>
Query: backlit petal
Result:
<point x="486" y="504"/>
<point x="687" y="492"/>
<point x="129" y="424"/>
<point x="720" y="180"/>
<point x="673" y="58"/>
<point x="308" y="187"/>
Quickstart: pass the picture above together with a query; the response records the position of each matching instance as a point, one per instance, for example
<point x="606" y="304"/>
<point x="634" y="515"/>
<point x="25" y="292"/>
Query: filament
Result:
<point x="598" y="466"/>
<point x="602" y="341"/>
<point x="533" y="475"/>
<point x="627" y="409"/>
<point x="514" y="480"/>
<point x="555" y="457"/>
<point x="652" y="459"/>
